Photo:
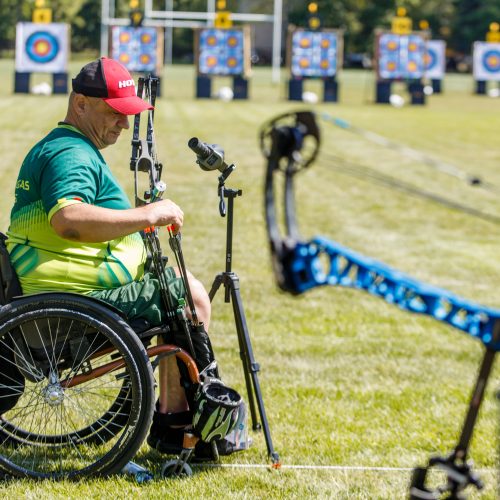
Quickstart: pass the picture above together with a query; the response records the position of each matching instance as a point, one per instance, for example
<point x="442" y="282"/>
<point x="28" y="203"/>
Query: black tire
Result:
<point x="173" y="469"/>
<point x="92" y="428"/>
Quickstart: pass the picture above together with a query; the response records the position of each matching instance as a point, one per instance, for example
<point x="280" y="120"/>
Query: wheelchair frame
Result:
<point x="69" y="349"/>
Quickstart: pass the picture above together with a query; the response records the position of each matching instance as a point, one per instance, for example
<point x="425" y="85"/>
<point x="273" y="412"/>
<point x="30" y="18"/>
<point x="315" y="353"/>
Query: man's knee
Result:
<point x="199" y="293"/>
<point x="200" y="298"/>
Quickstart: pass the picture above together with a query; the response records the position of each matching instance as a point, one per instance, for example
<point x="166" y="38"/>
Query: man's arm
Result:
<point x="88" y="223"/>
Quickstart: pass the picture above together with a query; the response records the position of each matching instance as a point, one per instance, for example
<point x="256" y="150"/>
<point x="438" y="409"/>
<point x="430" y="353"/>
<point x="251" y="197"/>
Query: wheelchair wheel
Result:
<point x="88" y="393"/>
<point x="103" y="429"/>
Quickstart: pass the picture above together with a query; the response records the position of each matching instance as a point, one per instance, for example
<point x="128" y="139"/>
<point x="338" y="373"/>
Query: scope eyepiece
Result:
<point x="199" y="147"/>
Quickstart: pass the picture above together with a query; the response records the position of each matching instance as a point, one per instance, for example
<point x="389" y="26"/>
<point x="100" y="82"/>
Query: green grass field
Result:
<point x="347" y="379"/>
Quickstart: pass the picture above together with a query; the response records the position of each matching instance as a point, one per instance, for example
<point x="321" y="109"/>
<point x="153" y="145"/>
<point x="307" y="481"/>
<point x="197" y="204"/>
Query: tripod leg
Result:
<point x="250" y="365"/>
<point x="225" y="278"/>
<point x="219" y="279"/>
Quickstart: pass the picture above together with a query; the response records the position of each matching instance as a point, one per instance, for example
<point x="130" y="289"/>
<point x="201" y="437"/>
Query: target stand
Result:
<point x="296" y="89"/>
<point x="222" y="52"/>
<point x="435" y="64"/>
<point x="139" y="49"/>
<point x="204" y="87"/>
<point x="314" y="55"/>
<point x="22" y="83"/>
<point x="486" y="65"/>
<point x="399" y="58"/>
<point x="41" y="48"/>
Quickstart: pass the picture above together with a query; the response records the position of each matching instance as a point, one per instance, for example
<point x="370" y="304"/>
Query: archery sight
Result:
<point x="144" y="156"/>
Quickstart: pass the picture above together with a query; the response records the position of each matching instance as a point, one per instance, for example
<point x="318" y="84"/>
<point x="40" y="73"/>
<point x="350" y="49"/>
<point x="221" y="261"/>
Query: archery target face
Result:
<point x="400" y="56"/>
<point x="314" y="54"/>
<point x="41" y="47"/>
<point x="435" y="60"/>
<point x="135" y="48"/>
<point x="486" y="61"/>
<point x="221" y="52"/>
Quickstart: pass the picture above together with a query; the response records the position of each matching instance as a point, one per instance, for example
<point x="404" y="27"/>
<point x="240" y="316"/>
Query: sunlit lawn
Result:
<point x="347" y="379"/>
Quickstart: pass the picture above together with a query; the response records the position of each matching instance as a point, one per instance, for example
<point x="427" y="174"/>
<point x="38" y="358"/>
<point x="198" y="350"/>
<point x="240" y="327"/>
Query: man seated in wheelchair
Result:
<point x="73" y="229"/>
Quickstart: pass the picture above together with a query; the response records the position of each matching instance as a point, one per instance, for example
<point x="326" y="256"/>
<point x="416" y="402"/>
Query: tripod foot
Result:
<point x="275" y="461"/>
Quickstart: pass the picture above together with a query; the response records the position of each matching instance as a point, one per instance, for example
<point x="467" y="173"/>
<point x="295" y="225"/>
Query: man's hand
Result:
<point x="165" y="213"/>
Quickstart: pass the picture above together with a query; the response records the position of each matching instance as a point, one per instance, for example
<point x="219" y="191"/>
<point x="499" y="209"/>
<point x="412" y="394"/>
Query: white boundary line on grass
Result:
<point x="319" y="467"/>
<point x="291" y="466"/>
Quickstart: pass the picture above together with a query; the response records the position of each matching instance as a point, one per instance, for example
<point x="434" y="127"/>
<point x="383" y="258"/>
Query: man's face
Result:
<point x="102" y="123"/>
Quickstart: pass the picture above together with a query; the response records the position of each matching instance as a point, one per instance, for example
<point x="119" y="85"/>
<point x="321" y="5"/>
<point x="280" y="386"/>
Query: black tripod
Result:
<point x="231" y="284"/>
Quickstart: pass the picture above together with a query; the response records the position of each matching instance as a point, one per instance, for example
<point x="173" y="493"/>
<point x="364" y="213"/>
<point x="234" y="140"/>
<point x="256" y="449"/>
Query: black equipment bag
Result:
<point x="11" y="379"/>
<point x="10" y="286"/>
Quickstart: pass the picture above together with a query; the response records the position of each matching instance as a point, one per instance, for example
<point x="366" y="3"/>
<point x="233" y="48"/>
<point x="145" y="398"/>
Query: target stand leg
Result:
<point x="60" y="83"/>
<point x="203" y="87"/>
<point x="480" y="87"/>
<point x="295" y="89"/>
<point x="437" y="87"/>
<point x="22" y="82"/>
<point x="383" y="92"/>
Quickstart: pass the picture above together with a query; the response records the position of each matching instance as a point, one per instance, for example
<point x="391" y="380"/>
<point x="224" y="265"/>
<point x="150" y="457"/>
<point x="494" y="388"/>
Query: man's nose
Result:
<point x="123" y="122"/>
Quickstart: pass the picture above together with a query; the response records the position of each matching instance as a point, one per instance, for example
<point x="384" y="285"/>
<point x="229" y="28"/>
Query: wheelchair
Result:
<point x="77" y="391"/>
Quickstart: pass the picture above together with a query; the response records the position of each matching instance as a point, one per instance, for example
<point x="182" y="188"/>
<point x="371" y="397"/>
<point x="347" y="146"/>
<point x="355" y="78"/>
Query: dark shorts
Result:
<point x="142" y="299"/>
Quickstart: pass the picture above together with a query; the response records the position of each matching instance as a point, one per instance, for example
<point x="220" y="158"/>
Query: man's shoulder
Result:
<point x="65" y="147"/>
<point x="64" y="138"/>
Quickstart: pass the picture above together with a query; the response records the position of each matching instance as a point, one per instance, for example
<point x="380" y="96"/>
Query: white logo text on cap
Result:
<point x="125" y="83"/>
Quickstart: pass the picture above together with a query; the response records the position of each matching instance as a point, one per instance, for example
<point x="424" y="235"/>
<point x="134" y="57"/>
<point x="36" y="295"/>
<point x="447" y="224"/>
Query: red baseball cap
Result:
<point x="111" y="81"/>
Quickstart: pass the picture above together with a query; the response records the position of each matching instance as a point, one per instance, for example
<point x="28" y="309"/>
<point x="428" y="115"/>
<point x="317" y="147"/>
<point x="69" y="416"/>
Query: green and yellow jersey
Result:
<point x="66" y="168"/>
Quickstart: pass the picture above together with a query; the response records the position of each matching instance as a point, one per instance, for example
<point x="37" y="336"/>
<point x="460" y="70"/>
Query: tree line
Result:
<point x="458" y="22"/>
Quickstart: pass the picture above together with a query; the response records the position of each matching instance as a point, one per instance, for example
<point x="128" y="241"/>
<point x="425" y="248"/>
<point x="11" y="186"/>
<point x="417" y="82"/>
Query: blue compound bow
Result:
<point x="290" y="143"/>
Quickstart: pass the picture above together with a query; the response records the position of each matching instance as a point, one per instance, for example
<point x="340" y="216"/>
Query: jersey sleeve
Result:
<point x="68" y="178"/>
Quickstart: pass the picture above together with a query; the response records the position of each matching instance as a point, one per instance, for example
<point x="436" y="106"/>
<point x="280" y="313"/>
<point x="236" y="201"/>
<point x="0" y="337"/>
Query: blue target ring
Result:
<point x="431" y="59"/>
<point x="42" y="47"/>
<point x="491" y="60"/>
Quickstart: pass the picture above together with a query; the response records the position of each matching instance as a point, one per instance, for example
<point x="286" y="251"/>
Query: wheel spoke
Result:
<point x="58" y="431"/>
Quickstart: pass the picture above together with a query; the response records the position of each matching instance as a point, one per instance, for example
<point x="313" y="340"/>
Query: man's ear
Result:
<point x="79" y="104"/>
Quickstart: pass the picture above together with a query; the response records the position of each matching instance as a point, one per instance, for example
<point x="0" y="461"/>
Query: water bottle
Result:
<point x="239" y="437"/>
<point x="139" y="473"/>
